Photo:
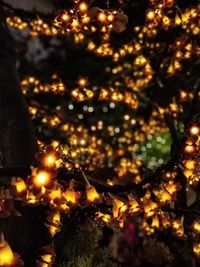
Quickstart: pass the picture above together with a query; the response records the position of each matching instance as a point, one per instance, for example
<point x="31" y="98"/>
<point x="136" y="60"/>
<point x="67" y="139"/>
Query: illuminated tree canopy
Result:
<point x="107" y="145"/>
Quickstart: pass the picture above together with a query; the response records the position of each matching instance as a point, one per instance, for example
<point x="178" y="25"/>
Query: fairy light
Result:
<point x="196" y="226"/>
<point x="6" y="254"/>
<point x="189" y="149"/>
<point x="20" y="185"/>
<point x="49" y="160"/>
<point x="102" y="17"/>
<point x="92" y="194"/>
<point x="42" y="178"/>
<point x="83" y="7"/>
<point x="196" y="248"/>
<point x="194" y="130"/>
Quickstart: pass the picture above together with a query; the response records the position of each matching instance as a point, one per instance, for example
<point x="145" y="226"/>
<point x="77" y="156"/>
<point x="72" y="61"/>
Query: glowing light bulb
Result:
<point x="102" y="17"/>
<point x="55" y="195"/>
<point x="188" y="173"/>
<point x="190" y="164"/>
<point x="150" y="208"/>
<point x="196" y="226"/>
<point x="118" y="207"/>
<point x="196" y="249"/>
<point x="49" y="160"/>
<point x="42" y="178"/>
<point x="6" y="254"/>
<point x="70" y="195"/>
<point x="19" y="185"/>
<point x="189" y="149"/>
<point x="194" y="130"/>
<point x="150" y="14"/>
<point x="104" y="217"/>
<point x="92" y="194"/>
<point x="65" y="17"/>
<point x="83" y="7"/>
<point x="134" y="206"/>
<point x="155" y="222"/>
<point x="82" y="82"/>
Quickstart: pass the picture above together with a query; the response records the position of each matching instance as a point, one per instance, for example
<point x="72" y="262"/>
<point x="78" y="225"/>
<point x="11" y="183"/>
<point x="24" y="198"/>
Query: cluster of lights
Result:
<point x="81" y="18"/>
<point x="7" y="257"/>
<point x="126" y="166"/>
<point x="32" y="85"/>
<point x="153" y="217"/>
<point x="80" y="148"/>
<point x="191" y="154"/>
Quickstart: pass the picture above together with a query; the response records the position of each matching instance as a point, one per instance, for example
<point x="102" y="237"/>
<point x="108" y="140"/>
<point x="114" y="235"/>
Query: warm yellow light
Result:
<point x="53" y="230"/>
<point x="6" y="254"/>
<point x="176" y="224"/>
<point x="56" y="218"/>
<point x="64" y="207"/>
<point x="65" y="17"/>
<point x="134" y="206"/>
<point x="49" y="160"/>
<point x="188" y="173"/>
<point x="194" y="130"/>
<point x="189" y="149"/>
<point x="118" y="207"/>
<point x="55" y="195"/>
<point x="47" y="258"/>
<point x="196" y="226"/>
<point x="104" y="217"/>
<point x="102" y="17"/>
<point x="165" y="222"/>
<point x="83" y="7"/>
<point x="92" y="194"/>
<point x="150" y="208"/>
<point x="150" y="14"/>
<point x="155" y="222"/>
<point x="82" y="82"/>
<point x="172" y="188"/>
<point x="165" y="197"/>
<point x="70" y="196"/>
<point x="31" y="198"/>
<point x="42" y="178"/>
<point x="196" y="249"/>
<point x="75" y="24"/>
<point x="19" y="185"/>
<point x="190" y="164"/>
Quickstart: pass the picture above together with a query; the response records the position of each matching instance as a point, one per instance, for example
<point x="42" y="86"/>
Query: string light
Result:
<point x="6" y="254"/>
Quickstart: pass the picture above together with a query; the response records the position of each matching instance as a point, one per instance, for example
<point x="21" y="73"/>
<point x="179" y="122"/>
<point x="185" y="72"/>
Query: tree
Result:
<point x="112" y="90"/>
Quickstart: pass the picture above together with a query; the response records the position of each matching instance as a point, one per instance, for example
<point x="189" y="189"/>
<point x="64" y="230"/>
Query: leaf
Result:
<point x="120" y="22"/>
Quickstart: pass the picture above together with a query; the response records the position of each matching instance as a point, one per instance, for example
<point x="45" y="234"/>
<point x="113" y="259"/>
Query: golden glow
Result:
<point x="102" y="17"/>
<point x="6" y="254"/>
<point x="189" y="149"/>
<point x="83" y="7"/>
<point x="190" y="164"/>
<point x="42" y="178"/>
<point x="19" y="185"/>
<point x="92" y="194"/>
<point x="150" y="208"/>
<point x="49" y="160"/>
<point x="196" y="249"/>
<point x="196" y="226"/>
<point x="82" y="82"/>
<point x="104" y="217"/>
<point x="70" y="196"/>
<point x="194" y="130"/>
